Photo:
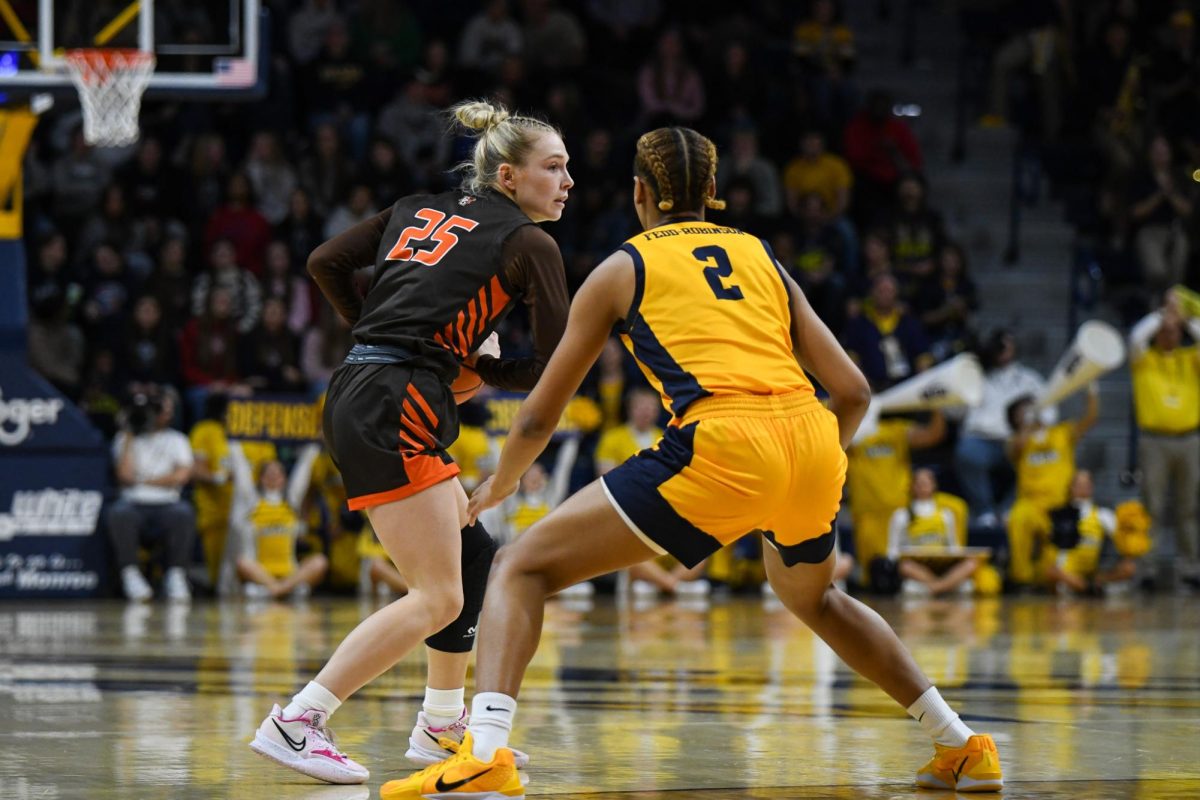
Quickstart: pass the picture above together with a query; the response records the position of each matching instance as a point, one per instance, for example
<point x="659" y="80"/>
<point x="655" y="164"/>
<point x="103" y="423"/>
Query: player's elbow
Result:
<point x="856" y="393"/>
<point x="534" y="425"/>
<point x="315" y="264"/>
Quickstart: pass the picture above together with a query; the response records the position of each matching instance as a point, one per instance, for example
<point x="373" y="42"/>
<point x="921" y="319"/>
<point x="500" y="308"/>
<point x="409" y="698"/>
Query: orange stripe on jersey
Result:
<point x="460" y="332"/>
<point x="412" y="423"/>
<point x="415" y="394"/>
<point x="499" y="298"/>
<point x="407" y="439"/>
<point x="476" y="328"/>
<point x="448" y="340"/>
<point x="466" y="329"/>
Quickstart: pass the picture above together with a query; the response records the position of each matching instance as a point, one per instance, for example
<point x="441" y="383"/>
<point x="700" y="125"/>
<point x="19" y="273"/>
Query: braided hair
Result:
<point x="678" y="164"/>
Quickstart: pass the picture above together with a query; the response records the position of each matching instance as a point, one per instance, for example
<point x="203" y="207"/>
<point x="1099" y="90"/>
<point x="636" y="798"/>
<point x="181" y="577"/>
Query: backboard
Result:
<point x="204" y="48"/>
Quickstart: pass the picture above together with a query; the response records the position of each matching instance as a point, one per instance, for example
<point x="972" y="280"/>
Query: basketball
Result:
<point x="466" y="385"/>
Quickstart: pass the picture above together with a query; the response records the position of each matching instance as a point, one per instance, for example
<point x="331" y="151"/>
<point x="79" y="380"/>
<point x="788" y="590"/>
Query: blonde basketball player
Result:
<point x="448" y="268"/>
<point x="723" y="333"/>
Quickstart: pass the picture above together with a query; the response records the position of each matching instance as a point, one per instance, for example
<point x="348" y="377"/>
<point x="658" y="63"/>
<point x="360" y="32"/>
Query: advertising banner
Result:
<point x="54" y="469"/>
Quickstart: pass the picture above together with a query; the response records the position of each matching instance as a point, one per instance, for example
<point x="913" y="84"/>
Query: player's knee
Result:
<point x="514" y="559"/>
<point x="320" y="564"/>
<point x="443" y="605"/>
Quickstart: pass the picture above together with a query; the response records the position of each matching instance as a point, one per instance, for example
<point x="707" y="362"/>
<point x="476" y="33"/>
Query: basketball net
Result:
<point x="110" y="84"/>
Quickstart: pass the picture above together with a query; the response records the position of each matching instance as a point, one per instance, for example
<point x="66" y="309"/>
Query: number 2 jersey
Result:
<point x="448" y="268"/>
<point x="711" y="315"/>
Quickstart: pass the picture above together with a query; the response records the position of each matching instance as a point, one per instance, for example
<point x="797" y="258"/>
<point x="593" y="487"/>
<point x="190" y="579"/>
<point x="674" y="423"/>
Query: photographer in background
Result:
<point x="153" y="464"/>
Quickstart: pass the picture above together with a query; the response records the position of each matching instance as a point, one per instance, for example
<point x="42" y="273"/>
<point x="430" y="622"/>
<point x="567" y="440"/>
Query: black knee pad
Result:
<point x="478" y="550"/>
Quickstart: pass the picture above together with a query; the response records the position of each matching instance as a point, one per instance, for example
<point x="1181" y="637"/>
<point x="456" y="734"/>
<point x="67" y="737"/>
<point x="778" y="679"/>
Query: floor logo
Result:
<point x="19" y="415"/>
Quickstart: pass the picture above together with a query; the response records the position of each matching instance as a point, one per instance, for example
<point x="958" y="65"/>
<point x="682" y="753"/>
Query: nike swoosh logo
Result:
<point x="505" y="710"/>
<point x="441" y="786"/>
<point x="436" y="740"/>
<point x="297" y="746"/>
<point x="923" y="713"/>
<point x="958" y="771"/>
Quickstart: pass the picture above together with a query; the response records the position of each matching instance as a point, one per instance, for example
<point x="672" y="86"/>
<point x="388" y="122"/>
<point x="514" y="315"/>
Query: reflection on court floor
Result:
<point x="734" y="699"/>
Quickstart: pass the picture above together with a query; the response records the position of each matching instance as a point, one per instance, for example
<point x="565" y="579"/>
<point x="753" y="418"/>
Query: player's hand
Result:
<point x="488" y="495"/>
<point x="490" y="347"/>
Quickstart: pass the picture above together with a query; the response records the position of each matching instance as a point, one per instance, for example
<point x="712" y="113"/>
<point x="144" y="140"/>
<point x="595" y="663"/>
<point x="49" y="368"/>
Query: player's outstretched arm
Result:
<point x="819" y="353"/>
<point x="601" y="301"/>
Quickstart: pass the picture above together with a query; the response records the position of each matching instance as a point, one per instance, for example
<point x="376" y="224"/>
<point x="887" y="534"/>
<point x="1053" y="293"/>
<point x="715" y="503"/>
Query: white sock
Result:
<point x="939" y="720"/>
<point x="443" y="707"/>
<point x="491" y="722"/>
<point x="313" y="697"/>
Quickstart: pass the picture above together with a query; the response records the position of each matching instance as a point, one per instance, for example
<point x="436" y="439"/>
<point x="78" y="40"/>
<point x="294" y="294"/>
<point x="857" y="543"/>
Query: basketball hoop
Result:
<point x="110" y="84"/>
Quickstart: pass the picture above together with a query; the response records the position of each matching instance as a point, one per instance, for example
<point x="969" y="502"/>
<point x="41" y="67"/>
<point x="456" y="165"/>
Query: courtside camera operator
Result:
<point x="153" y="464"/>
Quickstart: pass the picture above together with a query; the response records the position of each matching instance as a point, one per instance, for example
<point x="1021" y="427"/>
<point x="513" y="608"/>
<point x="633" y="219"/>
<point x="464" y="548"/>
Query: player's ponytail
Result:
<point x="479" y="115"/>
<point x="679" y="165"/>
<point x="503" y="139"/>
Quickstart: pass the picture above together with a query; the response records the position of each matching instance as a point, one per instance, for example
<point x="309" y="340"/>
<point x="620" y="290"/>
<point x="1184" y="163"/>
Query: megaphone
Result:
<point x="957" y="382"/>
<point x="1098" y="348"/>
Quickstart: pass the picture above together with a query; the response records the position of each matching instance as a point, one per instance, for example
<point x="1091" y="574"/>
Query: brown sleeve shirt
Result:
<point x="533" y="266"/>
<point x="334" y="263"/>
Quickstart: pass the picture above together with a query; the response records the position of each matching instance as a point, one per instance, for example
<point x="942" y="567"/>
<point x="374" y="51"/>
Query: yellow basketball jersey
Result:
<point x="525" y="514"/>
<point x="930" y="530"/>
<point x="880" y="471"/>
<point x="710" y="315"/>
<point x="1045" y="466"/>
<point x="1084" y="558"/>
<point x="275" y="527"/>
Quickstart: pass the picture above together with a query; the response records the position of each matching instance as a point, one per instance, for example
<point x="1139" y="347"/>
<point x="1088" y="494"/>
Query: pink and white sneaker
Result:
<point x="423" y="747"/>
<point x="306" y="745"/>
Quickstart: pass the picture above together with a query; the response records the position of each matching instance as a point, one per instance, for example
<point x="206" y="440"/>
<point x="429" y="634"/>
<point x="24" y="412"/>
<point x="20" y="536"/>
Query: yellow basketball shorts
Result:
<point x="732" y="466"/>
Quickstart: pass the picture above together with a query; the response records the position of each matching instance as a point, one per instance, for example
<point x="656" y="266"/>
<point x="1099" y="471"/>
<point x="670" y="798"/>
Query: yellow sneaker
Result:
<point x="460" y="775"/>
<point x="974" y="767"/>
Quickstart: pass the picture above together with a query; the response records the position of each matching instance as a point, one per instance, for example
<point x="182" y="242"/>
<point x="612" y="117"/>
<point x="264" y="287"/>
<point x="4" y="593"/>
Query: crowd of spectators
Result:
<point x="180" y="261"/>
<point x="1108" y="93"/>
<point x="1106" y="96"/>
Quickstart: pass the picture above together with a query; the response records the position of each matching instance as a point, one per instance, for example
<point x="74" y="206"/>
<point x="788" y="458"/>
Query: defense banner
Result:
<point x="582" y="415"/>
<point x="276" y="418"/>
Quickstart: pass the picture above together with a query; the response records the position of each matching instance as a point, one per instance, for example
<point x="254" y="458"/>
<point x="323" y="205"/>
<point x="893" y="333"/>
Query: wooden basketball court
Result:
<point x="728" y="699"/>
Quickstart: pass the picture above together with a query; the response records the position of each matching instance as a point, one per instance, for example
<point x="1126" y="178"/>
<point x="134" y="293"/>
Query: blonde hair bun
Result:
<point x="479" y="115"/>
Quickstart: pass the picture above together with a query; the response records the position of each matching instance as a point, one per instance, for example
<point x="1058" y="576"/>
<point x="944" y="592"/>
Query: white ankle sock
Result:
<point x="491" y="722"/>
<point x="939" y="720"/>
<point x="315" y="697"/>
<point x="442" y="706"/>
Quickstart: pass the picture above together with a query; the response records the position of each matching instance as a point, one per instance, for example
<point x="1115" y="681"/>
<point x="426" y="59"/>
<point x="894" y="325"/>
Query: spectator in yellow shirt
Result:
<point x="817" y="171"/>
<point x="212" y="493"/>
<point x="879" y="477"/>
<point x="929" y="521"/>
<point x="1043" y="454"/>
<point x="1079" y="555"/>
<point x="641" y="431"/>
<point x="1166" y="399"/>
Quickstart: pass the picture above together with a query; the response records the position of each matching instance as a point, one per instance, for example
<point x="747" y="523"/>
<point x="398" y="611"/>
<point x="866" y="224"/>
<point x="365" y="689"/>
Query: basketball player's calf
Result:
<point x="963" y="760"/>
<point x="444" y="712"/>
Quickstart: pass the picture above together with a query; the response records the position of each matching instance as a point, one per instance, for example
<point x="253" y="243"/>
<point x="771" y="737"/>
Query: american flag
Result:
<point x="234" y="72"/>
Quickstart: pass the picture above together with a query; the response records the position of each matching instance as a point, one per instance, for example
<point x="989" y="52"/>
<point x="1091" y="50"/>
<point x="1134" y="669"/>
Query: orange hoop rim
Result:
<point x="109" y="56"/>
<point x="95" y="66"/>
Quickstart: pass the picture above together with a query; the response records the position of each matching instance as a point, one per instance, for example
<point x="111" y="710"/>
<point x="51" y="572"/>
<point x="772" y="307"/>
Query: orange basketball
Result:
<point x="466" y="385"/>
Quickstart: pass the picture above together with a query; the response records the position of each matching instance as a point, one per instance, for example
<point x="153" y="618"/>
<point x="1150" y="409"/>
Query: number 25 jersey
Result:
<point x="710" y="316"/>
<point x="444" y="276"/>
